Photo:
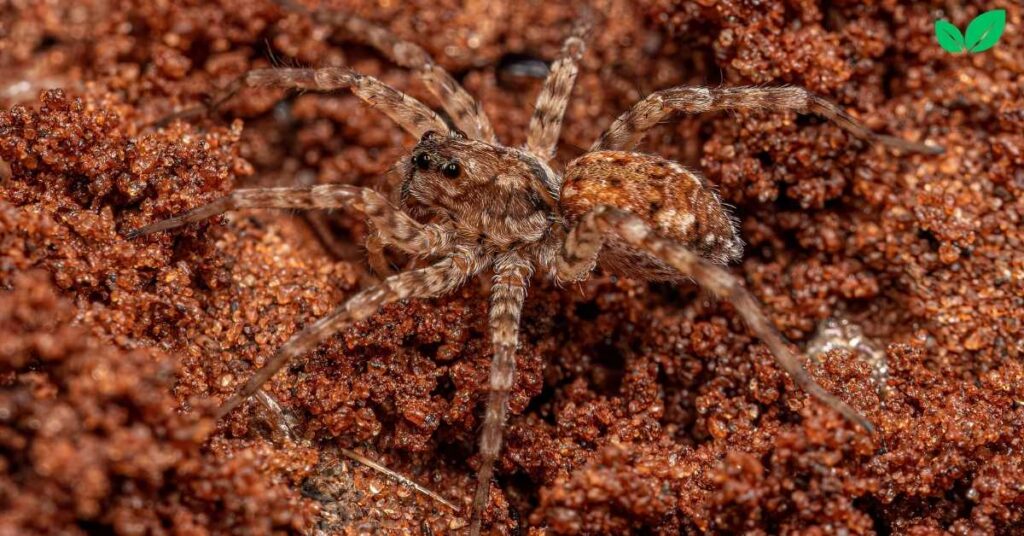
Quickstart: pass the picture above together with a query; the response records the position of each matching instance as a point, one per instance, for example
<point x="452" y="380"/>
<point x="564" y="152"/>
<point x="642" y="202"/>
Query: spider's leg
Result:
<point x="409" y="113"/>
<point x="604" y="220"/>
<point x="578" y="255"/>
<point x="511" y="278"/>
<point x="546" y="122"/>
<point x="319" y="222"/>
<point x="627" y="131"/>
<point x="440" y="278"/>
<point x="395" y="227"/>
<point x="220" y="97"/>
<point x="338" y="248"/>
<point x="464" y="110"/>
<point x="376" y="256"/>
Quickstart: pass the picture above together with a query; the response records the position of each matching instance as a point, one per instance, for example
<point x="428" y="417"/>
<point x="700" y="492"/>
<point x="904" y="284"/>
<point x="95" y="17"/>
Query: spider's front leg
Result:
<point x="546" y="121"/>
<point x="409" y="113"/>
<point x="393" y="227"/>
<point x="511" y="277"/>
<point x="584" y="241"/>
<point x="626" y="132"/>
<point x="464" y="110"/>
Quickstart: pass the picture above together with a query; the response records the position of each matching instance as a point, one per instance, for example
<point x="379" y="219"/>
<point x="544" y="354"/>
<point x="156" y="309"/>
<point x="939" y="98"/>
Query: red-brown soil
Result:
<point x="637" y="408"/>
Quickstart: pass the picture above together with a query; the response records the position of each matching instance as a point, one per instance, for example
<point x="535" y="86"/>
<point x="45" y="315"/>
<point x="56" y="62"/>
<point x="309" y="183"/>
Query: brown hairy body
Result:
<point x="480" y="206"/>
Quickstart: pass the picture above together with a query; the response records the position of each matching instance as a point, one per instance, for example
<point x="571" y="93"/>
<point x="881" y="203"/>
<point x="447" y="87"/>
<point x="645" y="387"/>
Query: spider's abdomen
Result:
<point x="675" y="202"/>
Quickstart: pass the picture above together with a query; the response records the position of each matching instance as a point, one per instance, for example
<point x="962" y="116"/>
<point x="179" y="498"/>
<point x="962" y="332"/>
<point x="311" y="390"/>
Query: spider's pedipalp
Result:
<point x="546" y="121"/>
<point x="511" y="277"/>
<point x="440" y="278"/>
<point x="626" y="132"/>
<point x="376" y="255"/>
<point x="668" y="197"/>
<point x="394" y="226"/>
<point x="464" y="110"/>
<point x="607" y="221"/>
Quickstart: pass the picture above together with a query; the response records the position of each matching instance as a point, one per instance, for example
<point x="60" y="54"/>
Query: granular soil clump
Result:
<point x="637" y="408"/>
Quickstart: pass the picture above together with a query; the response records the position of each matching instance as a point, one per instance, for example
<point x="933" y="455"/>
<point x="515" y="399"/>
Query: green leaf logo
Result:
<point x="949" y="36"/>
<point x="982" y="33"/>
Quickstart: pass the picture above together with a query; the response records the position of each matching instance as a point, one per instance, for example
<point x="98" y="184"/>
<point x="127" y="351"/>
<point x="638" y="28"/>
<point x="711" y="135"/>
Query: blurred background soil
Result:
<point x="637" y="408"/>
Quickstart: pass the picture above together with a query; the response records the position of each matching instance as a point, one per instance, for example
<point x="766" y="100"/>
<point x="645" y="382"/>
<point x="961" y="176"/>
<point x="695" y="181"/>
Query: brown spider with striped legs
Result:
<point x="483" y="206"/>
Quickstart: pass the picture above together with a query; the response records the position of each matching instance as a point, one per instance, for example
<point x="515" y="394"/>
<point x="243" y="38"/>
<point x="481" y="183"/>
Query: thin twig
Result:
<point x="402" y="479"/>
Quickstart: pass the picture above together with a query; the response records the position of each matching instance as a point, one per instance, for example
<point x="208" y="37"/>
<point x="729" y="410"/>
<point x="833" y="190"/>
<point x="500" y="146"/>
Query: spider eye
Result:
<point x="422" y="161"/>
<point x="451" y="170"/>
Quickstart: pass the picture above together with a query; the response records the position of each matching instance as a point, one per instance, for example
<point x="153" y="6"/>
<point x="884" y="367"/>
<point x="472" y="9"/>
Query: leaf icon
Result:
<point x="949" y="36"/>
<point x="985" y="30"/>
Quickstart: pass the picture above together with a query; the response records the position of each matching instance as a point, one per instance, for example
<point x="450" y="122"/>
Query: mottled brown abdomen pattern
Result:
<point x="672" y="200"/>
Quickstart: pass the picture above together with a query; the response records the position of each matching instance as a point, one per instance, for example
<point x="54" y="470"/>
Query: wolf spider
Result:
<point x="484" y="206"/>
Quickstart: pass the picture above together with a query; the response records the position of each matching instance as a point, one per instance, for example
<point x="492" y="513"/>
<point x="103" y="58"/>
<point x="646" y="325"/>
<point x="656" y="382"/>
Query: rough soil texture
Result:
<point x="636" y="409"/>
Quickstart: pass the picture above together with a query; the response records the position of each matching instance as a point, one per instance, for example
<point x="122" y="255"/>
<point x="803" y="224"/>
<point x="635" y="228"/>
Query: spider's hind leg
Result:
<point x="604" y="221"/>
<point x="626" y="132"/>
<point x="511" y="277"/>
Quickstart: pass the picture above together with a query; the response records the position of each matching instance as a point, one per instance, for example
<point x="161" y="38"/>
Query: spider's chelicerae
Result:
<point x="482" y="206"/>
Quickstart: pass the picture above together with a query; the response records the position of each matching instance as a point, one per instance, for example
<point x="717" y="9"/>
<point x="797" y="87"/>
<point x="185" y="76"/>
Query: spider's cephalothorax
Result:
<point x="490" y="207"/>
<point x="496" y="196"/>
